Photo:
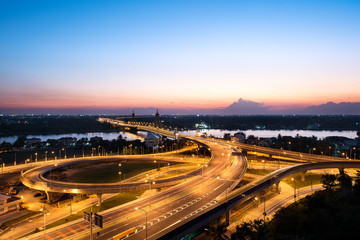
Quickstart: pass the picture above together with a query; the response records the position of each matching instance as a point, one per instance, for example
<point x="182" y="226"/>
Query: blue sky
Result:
<point x="178" y="54"/>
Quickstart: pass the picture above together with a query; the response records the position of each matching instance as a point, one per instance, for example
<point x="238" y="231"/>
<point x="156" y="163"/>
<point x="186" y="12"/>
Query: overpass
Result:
<point x="35" y="178"/>
<point x="169" y="208"/>
<point x="177" y="211"/>
<point x="248" y="191"/>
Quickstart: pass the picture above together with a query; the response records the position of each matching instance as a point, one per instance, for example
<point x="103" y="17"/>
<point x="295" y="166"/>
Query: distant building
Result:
<point x="133" y="116"/>
<point x="96" y="139"/>
<point x="259" y="142"/>
<point x="66" y="141"/>
<point x="201" y="125"/>
<point x="153" y="140"/>
<point x="157" y="120"/>
<point x="8" y="203"/>
<point x="31" y="141"/>
<point x="239" y="137"/>
<point x="200" y="133"/>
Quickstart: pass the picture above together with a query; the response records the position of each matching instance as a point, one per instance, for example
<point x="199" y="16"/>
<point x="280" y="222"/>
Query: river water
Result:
<point x="216" y="132"/>
<point x="105" y="135"/>
<point x="275" y="133"/>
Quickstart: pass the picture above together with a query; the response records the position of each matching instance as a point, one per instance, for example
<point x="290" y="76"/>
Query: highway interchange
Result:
<point x="174" y="209"/>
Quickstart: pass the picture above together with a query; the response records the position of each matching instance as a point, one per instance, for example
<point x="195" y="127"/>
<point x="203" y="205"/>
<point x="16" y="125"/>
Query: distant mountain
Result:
<point x="331" y="108"/>
<point x="244" y="107"/>
<point x="239" y="107"/>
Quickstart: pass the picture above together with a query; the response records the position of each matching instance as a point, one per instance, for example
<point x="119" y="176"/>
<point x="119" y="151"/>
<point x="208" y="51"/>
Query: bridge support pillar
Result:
<point x="227" y="221"/>
<point x="99" y="199"/>
<point x="341" y="171"/>
<point x="278" y="190"/>
<point x="270" y="156"/>
<point x="47" y="196"/>
<point x="303" y="176"/>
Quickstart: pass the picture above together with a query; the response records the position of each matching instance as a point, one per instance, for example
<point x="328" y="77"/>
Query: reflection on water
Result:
<point x="216" y="132"/>
<point x="105" y="135"/>
<point x="275" y="133"/>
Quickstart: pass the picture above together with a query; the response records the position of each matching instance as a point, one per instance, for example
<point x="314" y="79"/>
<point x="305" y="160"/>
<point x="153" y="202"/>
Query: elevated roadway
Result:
<point x="177" y="211"/>
<point x="35" y="178"/>
<point x="224" y="204"/>
<point x="170" y="208"/>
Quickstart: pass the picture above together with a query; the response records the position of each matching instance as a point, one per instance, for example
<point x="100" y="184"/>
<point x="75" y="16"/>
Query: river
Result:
<point x="216" y="132"/>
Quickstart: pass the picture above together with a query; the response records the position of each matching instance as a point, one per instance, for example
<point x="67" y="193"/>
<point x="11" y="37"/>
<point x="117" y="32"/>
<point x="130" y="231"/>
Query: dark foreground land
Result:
<point x="329" y="214"/>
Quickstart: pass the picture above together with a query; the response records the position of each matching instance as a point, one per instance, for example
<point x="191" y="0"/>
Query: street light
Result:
<point x="353" y="151"/>
<point x="263" y="161"/>
<point x="145" y="219"/>
<point x="46" y="212"/>
<point x="293" y="179"/>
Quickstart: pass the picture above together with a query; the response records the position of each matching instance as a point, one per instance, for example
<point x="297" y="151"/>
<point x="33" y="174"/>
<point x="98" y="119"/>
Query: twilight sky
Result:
<point x="178" y="54"/>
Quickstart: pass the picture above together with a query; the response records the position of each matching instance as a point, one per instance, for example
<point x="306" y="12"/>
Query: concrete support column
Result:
<point x="341" y="170"/>
<point x="47" y="196"/>
<point x="303" y="176"/>
<point x="270" y="156"/>
<point x="277" y="187"/>
<point x="227" y="221"/>
<point x="99" y="199"/>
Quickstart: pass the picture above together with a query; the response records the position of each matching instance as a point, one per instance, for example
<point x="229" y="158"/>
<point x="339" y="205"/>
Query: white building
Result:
<point x="239" y="137"/>
<point x="8" y="203"/>
<point x="153" y="140"/>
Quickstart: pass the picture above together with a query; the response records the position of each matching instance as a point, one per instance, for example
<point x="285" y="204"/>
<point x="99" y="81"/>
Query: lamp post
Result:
<point x="145" y="220"/>
<point x="293" y="179"/>
<point x="353" y="148"/>
<point x="46" y="212"/>
<point x="264" y="213"/>
<point x="46" y="155"/>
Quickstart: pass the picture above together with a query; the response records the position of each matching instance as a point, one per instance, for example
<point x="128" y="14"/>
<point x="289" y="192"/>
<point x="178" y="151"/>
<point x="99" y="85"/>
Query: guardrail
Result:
<point x="50" y="185"/>
<point x="243" y="194"/>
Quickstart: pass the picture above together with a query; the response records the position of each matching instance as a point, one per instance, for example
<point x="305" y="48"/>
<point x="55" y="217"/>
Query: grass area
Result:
<point x="19" y="219"/>
<point x="114" y="201"/>
<point x="174" y="173"/>
<point x="259" y="171"/>
<point x="309" y="178"/>
<point x="110" y="173"/>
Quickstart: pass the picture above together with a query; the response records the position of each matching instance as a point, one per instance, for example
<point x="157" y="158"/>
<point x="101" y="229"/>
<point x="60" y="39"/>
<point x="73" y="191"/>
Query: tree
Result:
<point x="345" y="181"/>
<point x="252" y="230"/>
<point x="218" y="230"/>
<point x="356" y="187"/>
<point x="328" y="181"/>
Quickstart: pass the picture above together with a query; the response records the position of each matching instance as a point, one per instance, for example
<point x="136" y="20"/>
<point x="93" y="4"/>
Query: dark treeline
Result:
<point x="30" y="125"/>
<point x="262" y="122"/>
<point x="26" y="125"/>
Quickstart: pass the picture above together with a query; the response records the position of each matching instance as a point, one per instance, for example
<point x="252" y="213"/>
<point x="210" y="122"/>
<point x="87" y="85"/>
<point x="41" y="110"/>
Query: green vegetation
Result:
<point x="175" y="173"/>
<point x="114" y="201"/>
<point x="329" y="214"/>
<point x="19" y="219"/>
<point x="110" y="173"/>
<point x="262" y="172"/>
<point x="311" y="178"/>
